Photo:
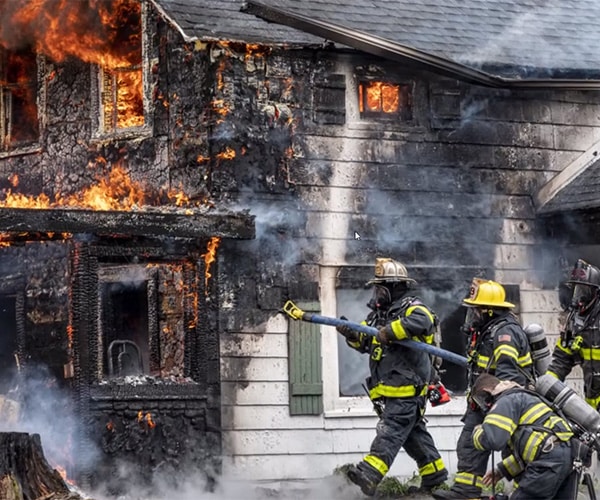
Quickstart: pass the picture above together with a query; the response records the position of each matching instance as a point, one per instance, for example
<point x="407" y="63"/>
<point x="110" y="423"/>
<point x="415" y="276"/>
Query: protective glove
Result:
<point x="346" y="331"/>
<point x="385" y="335"/>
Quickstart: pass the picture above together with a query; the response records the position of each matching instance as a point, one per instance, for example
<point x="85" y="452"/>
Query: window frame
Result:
<point x="98" y="75"/>
<point x="6" y="149"/>
<point x="334" y="405"/>
<point x="402" y="115"/>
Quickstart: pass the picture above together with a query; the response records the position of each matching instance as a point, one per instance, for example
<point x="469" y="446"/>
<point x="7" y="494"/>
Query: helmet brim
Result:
<point x="474" y="303"/>
<point x="376" y="281"/>
<point x="578" y="282"/>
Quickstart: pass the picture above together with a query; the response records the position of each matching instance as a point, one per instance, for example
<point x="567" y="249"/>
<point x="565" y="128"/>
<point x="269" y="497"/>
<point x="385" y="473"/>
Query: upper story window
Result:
<point x="380" y="99"/>
<point x="121" y="76"/>
<point x="19" y="123"/>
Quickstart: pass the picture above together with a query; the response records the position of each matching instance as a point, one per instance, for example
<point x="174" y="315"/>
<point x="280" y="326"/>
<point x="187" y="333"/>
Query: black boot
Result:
<point x="453" y="494"/>
<point x="366" y="477"/>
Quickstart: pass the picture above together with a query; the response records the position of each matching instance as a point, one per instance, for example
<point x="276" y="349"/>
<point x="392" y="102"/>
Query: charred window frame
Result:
<point x="128" y="329"/>
<point x="385" y="99"/>
<point x="19" y="118"/>
<point x="120" y="90"/>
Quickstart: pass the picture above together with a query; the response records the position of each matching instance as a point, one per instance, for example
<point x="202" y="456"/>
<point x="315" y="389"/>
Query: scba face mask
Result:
<point x="381" y="299"/>
<point x="474" y="319"/>
<point x="583" y="297"/>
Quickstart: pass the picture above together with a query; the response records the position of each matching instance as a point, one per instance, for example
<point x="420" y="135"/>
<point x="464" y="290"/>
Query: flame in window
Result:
<point x="102" y="32"/>
<point x="18" y="108"/>
<point x="384" y="98"/>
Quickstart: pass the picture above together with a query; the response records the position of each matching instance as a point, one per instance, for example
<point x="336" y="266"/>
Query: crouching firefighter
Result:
<point x="399" y="379"/>
<point x="498" y="345"/>
<point x="535" y="440"/>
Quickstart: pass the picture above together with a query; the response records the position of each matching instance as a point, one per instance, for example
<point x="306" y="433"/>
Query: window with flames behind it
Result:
<point x="384" y="99"/>
<point x="122" y="85"/>
<point x="19" y="123"/>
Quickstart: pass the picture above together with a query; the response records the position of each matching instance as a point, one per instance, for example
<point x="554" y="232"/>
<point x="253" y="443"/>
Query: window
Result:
<point x="121" y="79"/>
<point x="19" y="124"/>
<point x="385" y="99"/>
<point x="353" y="366"/>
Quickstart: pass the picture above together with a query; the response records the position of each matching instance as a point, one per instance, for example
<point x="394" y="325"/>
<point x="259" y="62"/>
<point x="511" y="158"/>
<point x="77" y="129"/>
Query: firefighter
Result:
<point x="535" y="440"/>
<point x="398" y="379"/>
<point x="497" y="345"/>
<point x="579" y="342"/>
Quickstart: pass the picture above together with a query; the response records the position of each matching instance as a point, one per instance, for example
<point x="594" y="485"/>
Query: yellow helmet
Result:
<point x="487" y="293"/>
<point x="388" y="271"/>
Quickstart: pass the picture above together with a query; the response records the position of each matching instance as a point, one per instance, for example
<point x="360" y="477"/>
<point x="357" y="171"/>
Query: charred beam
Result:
<point x="134" y="223"/>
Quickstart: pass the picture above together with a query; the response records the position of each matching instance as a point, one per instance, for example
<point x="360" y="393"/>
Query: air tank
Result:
<point x="565" y="399"/>
<point x="540" y="352"/>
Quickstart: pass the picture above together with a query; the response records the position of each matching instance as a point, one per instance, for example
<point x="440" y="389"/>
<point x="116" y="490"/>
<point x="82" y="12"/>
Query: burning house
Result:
<point x="173" y="171"/>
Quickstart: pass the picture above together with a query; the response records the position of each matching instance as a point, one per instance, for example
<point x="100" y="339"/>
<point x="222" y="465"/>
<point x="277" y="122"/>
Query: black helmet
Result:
<point x="585" y="282"/>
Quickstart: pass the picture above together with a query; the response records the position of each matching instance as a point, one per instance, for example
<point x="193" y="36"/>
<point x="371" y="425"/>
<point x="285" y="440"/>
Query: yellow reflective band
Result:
<point x="512" y="465"/>
<point x="506" y="350"/>
<point x="532" y="445"/>
<point x="355" y="344"/>
<point x="548" y="372"/>
<point x="469" y="479"/>
<point x="398" y="329"/>
<point x="504" y="423"/>
<point x="535" y="412"/>
<point x="477" y="438"/>
<point x="482" y="361"/>
<point x="432" y="467"/>
<point x="525" y="360"/>
<point x="590" y="353"/>
<point x="593" y="402"/>
<point x="389" y="391"/>
<point x="377" y="464"/>
<point x="563" y="348"/>
<point x="421" y="308"/>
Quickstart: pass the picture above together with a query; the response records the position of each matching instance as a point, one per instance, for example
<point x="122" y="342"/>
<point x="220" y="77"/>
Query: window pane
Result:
<point x="18" y="84"/>
<point x="353" y="366"/>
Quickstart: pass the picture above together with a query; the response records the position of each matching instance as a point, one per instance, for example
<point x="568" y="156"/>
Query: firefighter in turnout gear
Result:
<point x="497" y="345"/>
<point x="535" y="440"/>
<point x="398" y="380"/>
<point x="579" y="342"/>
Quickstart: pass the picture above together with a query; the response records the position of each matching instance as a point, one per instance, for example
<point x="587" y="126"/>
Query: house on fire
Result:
<point x="173" y="171"/>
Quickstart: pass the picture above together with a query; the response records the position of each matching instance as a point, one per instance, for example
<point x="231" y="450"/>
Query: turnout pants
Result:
<point x="472" y="463"/>
<point x="402" y="425"/>
<point x="547" y="476"/>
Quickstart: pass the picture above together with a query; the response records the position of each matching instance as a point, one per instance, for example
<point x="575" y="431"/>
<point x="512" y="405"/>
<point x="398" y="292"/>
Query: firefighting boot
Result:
<point x="365" y="476"/>
<point x="454" y="494"/>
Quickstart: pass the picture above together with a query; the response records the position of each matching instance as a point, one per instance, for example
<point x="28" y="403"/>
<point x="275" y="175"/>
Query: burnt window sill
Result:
<point x="22" y="150"/>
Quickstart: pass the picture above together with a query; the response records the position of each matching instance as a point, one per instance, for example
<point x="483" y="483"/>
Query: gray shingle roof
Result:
<point x="548" y="34"/>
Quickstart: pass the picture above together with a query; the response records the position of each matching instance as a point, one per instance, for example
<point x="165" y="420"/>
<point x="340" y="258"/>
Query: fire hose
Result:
<point x="294" y="312"/>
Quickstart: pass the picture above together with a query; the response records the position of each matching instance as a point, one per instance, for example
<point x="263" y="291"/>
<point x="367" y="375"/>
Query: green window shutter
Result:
<point x="306" y="382"/>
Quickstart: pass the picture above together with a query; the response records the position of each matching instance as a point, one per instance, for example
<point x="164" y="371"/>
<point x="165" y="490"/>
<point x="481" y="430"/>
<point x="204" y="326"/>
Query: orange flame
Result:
<point x="147" y="419"/>
<point x="106" y="33"/>
<point x="209" y="257"/>
<point x="228" y="154"/>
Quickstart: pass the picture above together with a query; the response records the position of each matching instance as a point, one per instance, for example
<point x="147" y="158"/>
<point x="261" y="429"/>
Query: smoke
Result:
<point x="277" y="229"/>
<point x="192" y="487"/>
<point x="48" y="410"/>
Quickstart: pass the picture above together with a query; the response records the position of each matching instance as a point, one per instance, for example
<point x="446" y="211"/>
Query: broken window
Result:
<point x="377" y="99"/>
<point x="127" y="324"/>
<point x="18" y="105"/>
<point x="121" y="79"/>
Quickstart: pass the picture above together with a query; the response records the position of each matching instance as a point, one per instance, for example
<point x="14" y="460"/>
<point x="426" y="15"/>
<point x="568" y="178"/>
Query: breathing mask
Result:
<point x="583" y="297"/>
<point x="474" y="320"/>
<point x="483" y="400"/>
<point x="381" y="299"/>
